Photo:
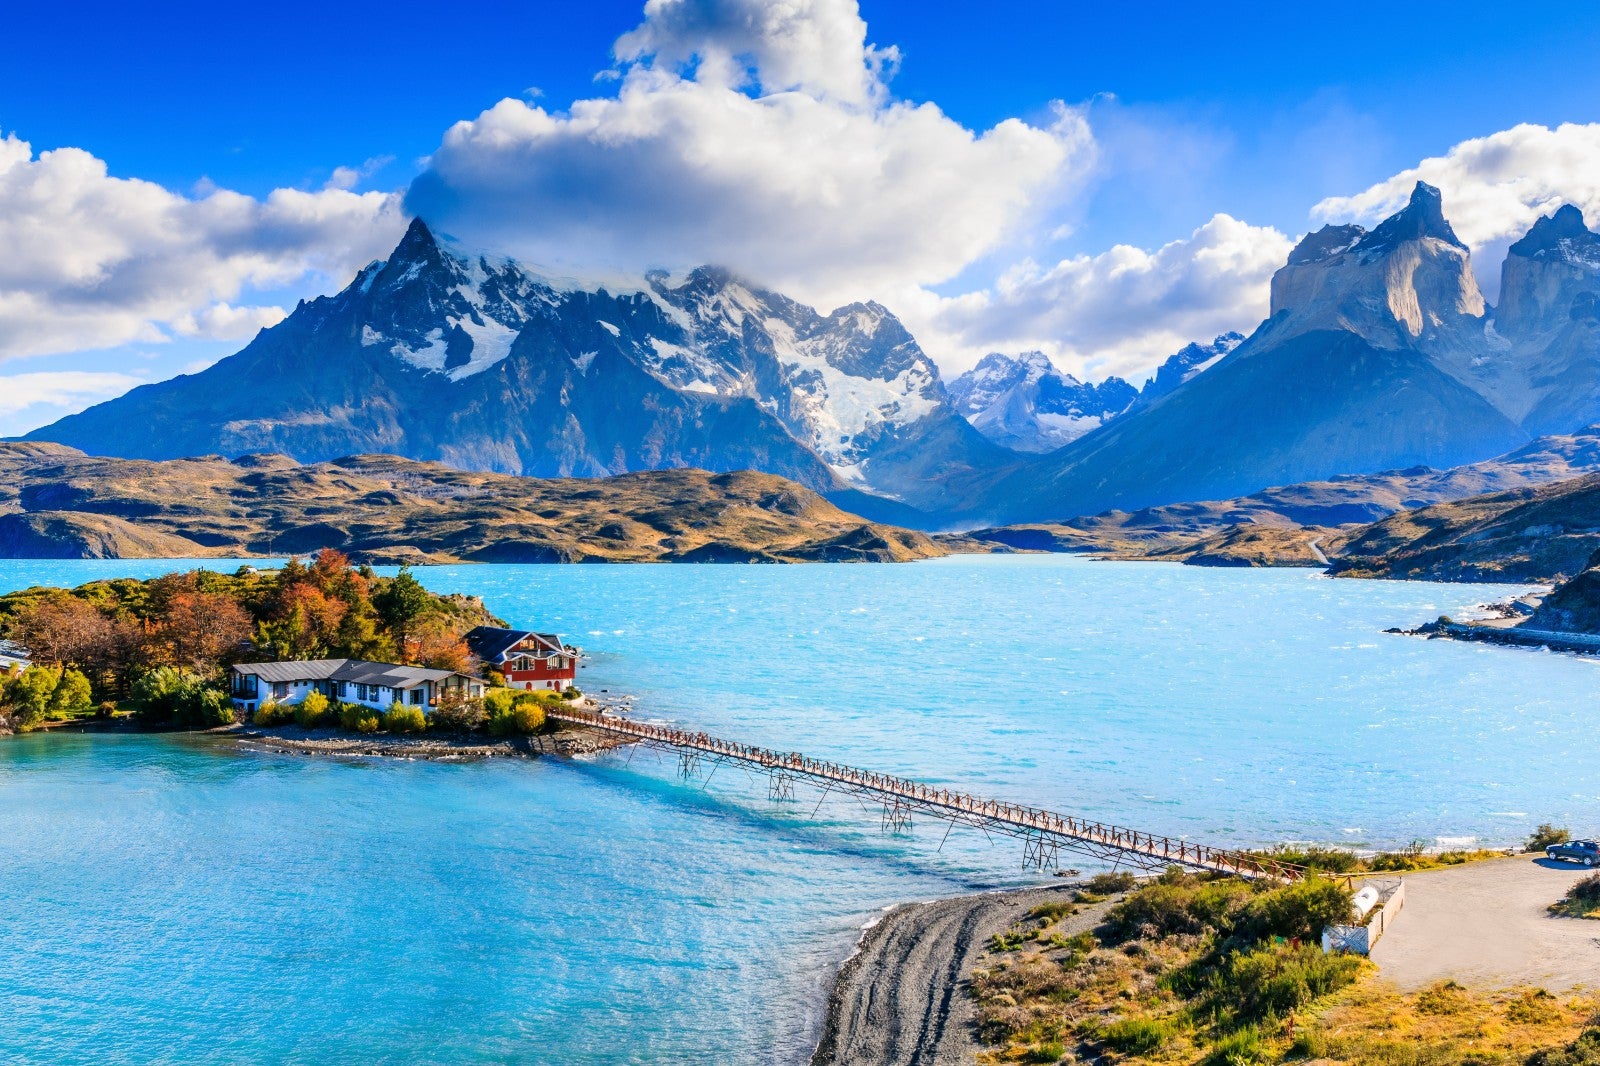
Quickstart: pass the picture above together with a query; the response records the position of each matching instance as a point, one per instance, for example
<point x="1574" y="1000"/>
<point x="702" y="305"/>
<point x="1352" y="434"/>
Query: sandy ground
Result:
<point x="1484" y="924"/>
<point x="902" y="997"/>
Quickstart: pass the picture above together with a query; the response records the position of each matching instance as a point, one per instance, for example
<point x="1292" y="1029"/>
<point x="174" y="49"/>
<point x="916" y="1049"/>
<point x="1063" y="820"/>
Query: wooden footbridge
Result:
<point x="1044" y="834"/>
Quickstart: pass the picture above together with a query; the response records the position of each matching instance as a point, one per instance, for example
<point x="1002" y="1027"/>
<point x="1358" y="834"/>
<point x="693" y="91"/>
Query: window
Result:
<point x="279" y="690"/>
<point x="416" y="697"/>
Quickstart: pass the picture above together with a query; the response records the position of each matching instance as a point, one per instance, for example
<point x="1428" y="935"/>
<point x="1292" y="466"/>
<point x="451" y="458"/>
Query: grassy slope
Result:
<point x="57" y="501"/>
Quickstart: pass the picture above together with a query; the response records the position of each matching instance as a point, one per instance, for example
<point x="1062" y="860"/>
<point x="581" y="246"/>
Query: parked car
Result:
<point x="1584" y="851"/>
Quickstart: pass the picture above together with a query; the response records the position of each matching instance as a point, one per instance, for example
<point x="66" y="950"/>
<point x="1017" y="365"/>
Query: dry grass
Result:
<point x="1375" y="1023"/>
<point x="1224" y="990"/>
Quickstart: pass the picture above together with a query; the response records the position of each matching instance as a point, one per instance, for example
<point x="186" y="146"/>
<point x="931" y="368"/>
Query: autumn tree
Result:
<point x="202" y="630"/>
<point x="303" y="623"/>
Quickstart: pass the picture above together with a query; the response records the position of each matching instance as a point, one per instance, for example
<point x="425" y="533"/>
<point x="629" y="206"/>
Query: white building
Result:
<point x="13" y="657"/>
<point x="375" y="685"/>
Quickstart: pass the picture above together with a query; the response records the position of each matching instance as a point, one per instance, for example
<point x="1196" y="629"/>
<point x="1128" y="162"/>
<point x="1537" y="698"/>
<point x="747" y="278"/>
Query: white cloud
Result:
<point x="757" y="135"/>
<point x="1494" y="187"/>
<point x="94" y="261"/>
<point x="1119" y="312"/>
<point x="61" y="388"/>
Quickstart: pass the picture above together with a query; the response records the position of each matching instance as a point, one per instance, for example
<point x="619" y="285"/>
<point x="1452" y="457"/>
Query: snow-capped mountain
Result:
<point x="1185" y="364"/>
<point x="480" y="363"/>
<point x="1025" y="402"/>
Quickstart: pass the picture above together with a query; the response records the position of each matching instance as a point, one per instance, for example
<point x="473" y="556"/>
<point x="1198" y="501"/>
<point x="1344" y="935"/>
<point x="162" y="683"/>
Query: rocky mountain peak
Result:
<point x="1562" y="235"/>
<point x="1326" y="243"/>
<point x="1421" y="218"/>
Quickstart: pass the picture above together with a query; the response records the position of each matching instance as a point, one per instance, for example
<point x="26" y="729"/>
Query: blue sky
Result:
<point x="1192" y="111"/>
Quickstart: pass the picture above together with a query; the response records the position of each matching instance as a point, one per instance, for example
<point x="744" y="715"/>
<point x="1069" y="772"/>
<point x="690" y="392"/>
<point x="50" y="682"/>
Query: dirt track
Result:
<point x="901" y="1000"/>
<point x="1484" y="924"/>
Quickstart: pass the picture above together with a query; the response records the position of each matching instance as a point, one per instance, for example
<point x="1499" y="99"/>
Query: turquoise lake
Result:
<point x="178" y="899"/>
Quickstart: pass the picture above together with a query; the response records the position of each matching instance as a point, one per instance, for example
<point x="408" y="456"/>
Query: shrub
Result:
<point x="1238" y="1049"/>
<point x="1049" y="1051"/>
<point x="313" y="712"/>
<point x="572" y="692"/>
<point x="106" y="709"/>
<point x="1109" y="884"/>
<point x="1546" y="835"/>
<point x="271" y="713"/>
<point x="1185" y="904"/>
<point x="457" y="715"/>
<point x="1269" y="982"/>
<point x="354" y="718"/>
<point x="167" y="694"/>
<point x="1136" y="1036"/>
<point x="1299" y="910"/>
<point x="523" y="718"/>
<point x="402" y="719"/>
<point x="30" y="696"/>
<point x="72" y="694"/>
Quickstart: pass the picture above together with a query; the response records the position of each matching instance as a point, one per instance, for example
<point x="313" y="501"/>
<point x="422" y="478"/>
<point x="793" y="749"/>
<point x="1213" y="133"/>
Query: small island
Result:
<point x="323" y="657"/>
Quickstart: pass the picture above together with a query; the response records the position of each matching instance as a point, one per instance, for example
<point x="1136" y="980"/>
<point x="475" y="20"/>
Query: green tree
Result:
<point x="73" y="693"/>
<point x="399" y="604"/>
<point x="31" y="694"/>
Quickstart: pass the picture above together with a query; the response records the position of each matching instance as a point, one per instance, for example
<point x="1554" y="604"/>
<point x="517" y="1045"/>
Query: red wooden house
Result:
<point x="528" y="660"/>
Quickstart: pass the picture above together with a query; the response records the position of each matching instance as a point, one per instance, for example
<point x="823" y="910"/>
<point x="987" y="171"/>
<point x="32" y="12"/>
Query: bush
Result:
<point x="1185" y="904"/>
<point x="1109" y="884"/>
<point x="498" y="701"/>
<point x="572" y="692"/>
<point x="313" y="712"/>
<point x="106" y="709"/>
<point x="1546" y="835"/>
<point x="1582" y="899"/>
<point x="271" y="714"/>
<point x="523" y="718"/>
<point x="354" y="718"/>
<point x="30" y="696"/>
<point x="457" y="715"/>
<point x="1270" y="982"/>
<point x="167" y="694"/>
<point x="402" y="719"/>
<point x="1299" y="910"/>
<point x="1136" y="1036"/>
<point x="72" y="694"/>
<point x="1239" y="1049"/>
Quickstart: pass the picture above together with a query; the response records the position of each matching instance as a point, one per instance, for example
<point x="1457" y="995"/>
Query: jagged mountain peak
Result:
<point x="1562" y="235"/>
<point x="1421" y="218"/>
<point x="1326" y="243"/>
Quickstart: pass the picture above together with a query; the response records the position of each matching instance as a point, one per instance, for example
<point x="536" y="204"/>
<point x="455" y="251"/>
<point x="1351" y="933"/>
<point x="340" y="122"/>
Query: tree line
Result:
<point x="165" y="644"/>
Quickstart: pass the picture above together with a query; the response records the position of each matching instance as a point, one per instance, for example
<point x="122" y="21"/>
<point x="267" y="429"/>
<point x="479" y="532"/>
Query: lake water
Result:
<point x="177" y="899"/>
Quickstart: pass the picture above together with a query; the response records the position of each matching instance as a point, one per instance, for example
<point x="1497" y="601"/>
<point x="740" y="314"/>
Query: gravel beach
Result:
<point x="902" y="997"/>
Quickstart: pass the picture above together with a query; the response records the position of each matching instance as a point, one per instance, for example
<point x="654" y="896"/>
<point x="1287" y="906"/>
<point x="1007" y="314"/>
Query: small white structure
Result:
<point x="1375" y="907"/>
<point x="376" y="685"/>
<point x="14" y="658"/>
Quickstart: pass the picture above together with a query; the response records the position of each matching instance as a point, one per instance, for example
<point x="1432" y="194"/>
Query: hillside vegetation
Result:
<point x="57" y="502"/>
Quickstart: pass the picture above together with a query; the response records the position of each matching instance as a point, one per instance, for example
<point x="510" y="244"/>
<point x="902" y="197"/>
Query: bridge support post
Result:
<point x="896" y="815"/>
<point x="1040" y="852"/>
<point x="688" y="764"/>
<point x="780" y="788"/>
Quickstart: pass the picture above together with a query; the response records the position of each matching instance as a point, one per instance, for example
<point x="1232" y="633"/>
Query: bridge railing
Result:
<point x="1013" y="816"/>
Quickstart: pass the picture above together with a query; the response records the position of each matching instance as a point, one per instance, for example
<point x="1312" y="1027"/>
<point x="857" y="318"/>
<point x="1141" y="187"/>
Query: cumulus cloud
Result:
<point x="757" y="134"/>
<point x="94" y="261"/>
<point x="1121" y="311"/>
<point x="61" y="388"/>
<point x="1494" y="187"/>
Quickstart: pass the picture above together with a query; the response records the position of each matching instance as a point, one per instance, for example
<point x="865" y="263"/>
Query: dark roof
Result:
<point x="491" y="644"/>
<point x="355" y="671"/>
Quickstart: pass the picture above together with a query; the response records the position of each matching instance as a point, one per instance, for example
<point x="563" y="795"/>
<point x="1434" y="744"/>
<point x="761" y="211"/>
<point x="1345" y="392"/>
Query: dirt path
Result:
<point x="901" y="1000"/>
<point x="1484" y="924"/>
